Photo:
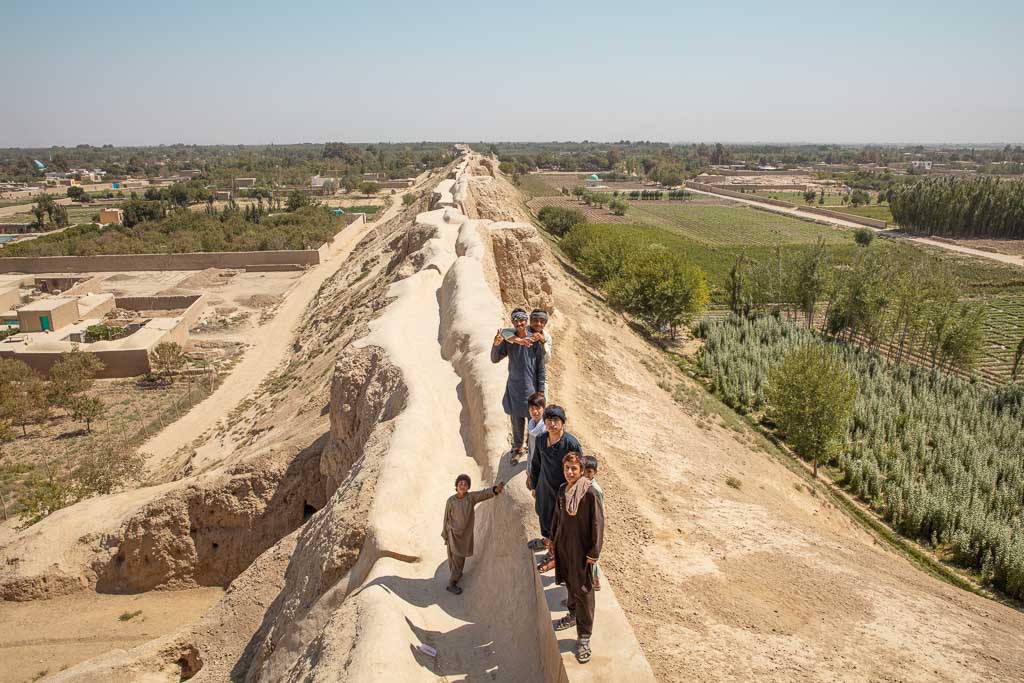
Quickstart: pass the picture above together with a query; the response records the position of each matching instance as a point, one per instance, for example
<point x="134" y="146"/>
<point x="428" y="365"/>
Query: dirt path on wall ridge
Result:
<point x="270" y="345"/>
<point x="762" y="582"/>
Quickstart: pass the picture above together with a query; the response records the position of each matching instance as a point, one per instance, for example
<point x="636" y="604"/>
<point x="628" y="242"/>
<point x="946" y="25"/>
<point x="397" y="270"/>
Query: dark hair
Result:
<point x="572" y="456"/>
<point x="536" y="400"/>
<point x="554" y="411"/>
<point x="465" y="478"/>
<point x="589" y="462"/>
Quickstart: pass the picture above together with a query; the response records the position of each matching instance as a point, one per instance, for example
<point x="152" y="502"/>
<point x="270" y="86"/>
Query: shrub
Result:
<point x="864" y="236"/>
<point x="659" y="288"/>
<point x="559" y="220"/>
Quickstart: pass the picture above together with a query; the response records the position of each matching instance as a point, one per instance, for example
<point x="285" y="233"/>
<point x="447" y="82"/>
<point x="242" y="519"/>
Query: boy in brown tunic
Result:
<point x="458" y="525"/>
<point x="577" y="534"/>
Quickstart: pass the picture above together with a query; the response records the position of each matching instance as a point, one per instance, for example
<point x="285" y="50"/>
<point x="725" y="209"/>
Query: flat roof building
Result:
<point x="46" y="315"/>
<point x="112" y="216"/>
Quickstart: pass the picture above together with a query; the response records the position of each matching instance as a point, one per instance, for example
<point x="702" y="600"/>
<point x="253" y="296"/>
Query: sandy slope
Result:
<point x="38" y="636"/>
<point x="767" y="582"/>
<point x="269" y="348"/>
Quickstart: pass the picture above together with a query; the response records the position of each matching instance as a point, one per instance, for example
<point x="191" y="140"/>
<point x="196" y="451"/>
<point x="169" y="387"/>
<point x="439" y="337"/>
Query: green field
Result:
<point x="76" y="215"/>
<point x="712" y="236"/>
<point x="367" y="209"/>
<point x="735" y="225"/>
<point x="534" y="185"/>
<point x="835" y="203"/>
<point x="831" y="200"/>
<point x="1004" y="328"/>
<point x="716" y="260"/>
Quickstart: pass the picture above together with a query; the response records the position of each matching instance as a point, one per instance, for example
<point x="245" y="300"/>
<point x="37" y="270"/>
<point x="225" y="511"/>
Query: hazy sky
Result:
<point x="251" y="72"/>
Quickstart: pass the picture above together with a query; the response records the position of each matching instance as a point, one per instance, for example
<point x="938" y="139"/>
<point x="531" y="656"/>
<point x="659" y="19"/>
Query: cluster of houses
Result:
<point x="45" y="316"/>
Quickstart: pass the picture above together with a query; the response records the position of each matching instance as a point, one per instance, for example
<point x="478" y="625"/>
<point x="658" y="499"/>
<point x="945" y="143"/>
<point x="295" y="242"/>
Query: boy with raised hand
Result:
<point x="459" y="517"/>
<point x="527" y="368"/>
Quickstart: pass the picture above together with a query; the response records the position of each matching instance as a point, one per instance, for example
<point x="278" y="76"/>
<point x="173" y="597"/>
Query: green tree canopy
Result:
<point x="559" y="220"/>
<point x="810" y="397"/>
<point x="660" y="288"/>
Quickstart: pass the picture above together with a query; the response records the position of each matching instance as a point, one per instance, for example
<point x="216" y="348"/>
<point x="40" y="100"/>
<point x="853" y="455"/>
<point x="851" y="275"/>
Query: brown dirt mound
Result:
<point x="211" y="277"/>
<point x="259" y="300"/>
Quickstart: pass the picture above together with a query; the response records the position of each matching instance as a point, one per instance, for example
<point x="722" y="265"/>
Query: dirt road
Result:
<point x="992" y="256"/>
<point x="270" y="345"/>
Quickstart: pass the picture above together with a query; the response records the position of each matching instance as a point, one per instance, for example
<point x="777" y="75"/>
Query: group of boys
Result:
<point x="567" y="499"/>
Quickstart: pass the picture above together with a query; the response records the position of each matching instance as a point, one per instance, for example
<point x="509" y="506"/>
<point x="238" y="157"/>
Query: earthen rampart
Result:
<point x="860" y="220"/>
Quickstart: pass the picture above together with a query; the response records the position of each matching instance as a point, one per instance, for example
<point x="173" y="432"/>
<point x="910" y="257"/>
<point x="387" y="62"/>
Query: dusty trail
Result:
<point x="267" y="351"/>
<point x="990" y="255"/>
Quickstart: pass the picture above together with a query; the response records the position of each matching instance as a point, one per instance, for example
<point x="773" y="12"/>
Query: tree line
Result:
<point x="960" y="207"/>
<point x="640" y="274"/>
<point x="940" y="458"/>
<point x="895" y="299"/>
<point x="150" y="229"/>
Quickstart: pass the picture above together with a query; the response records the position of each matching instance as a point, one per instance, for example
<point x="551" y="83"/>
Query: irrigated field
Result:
<point x="537" y="185"/>
<point x="712" y="232"/>
<point x="593" y="213"/>
<point x="879" y="211"/>
<point x="1004" y="330"/>
<point x="719" y="225"/>
<point x="833" y="202"/>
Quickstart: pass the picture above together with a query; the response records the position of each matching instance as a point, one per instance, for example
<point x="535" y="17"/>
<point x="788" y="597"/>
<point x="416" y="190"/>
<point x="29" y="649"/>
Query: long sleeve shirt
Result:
<point x="577" y="538"/>
<point x="546" y="474"/>
<point x="459" y="518"/>
<point x="527" y="374"/>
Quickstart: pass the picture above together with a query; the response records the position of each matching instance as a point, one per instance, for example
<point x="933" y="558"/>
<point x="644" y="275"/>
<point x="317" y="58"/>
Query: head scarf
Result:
<point x="519" y="314"/>
<point x="539" y="314"/>
<point x="574" y="494"/>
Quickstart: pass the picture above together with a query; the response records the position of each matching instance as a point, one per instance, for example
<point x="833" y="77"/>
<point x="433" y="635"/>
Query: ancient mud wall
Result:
<point x="414" y="401"/>
<point x="738" y="195"/>
<point x="851" y="218"/>
<point x="861" y="220"/>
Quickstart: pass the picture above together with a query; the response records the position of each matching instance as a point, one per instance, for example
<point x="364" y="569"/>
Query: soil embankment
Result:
<point x="762" y="581"/>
